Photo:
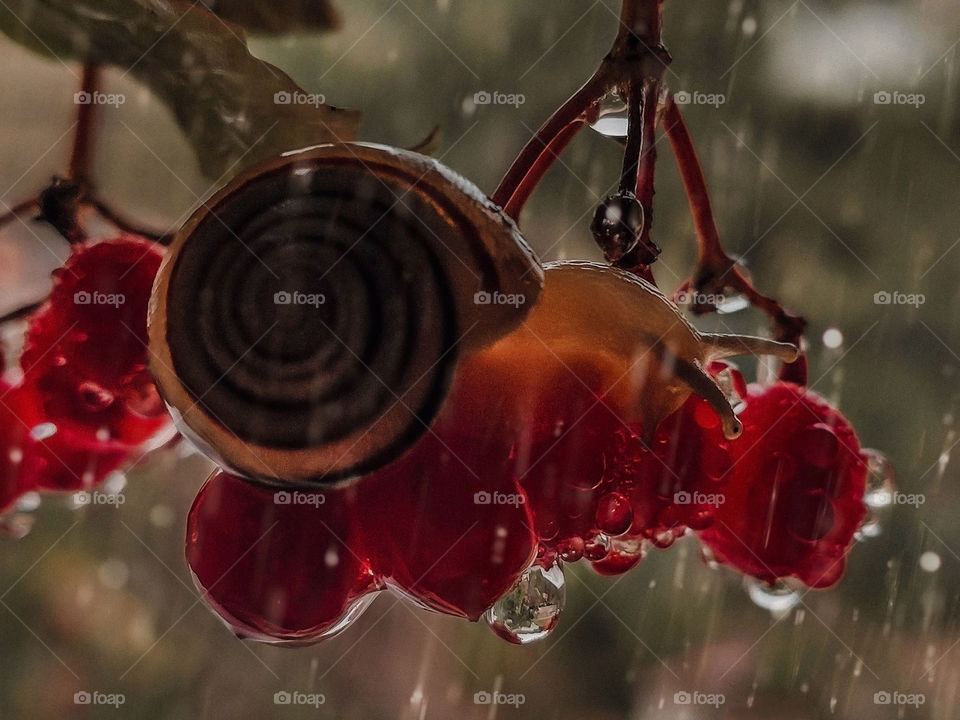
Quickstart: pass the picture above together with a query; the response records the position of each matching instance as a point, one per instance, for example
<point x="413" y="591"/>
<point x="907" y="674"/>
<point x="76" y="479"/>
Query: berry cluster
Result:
<point x="534" y="461"/>
<point x="85" y="404"/>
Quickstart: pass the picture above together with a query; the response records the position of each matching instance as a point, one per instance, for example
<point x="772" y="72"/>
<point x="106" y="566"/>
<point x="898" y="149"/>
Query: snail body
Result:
<point x="307" y="320"/>
<point x="621" y="337"/>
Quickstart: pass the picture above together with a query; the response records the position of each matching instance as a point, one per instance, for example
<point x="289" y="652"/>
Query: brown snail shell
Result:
<point x="307" y="320"/>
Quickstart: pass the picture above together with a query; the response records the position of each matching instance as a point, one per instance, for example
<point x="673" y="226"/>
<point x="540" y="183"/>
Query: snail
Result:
<point x="622" y="338"/>
<point x="307" y="320"/>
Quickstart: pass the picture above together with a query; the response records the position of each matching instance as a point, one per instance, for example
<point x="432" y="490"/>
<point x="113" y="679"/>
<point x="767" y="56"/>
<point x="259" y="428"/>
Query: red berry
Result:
<point x="794" y="493"/>
<point x="13" y="438"/>
<point x="86" y="348"/>
<point x="52" y="457"/>
<point x="293" y="571"/>
<point x="677" y="483"/>
<point x="446" y="523"/>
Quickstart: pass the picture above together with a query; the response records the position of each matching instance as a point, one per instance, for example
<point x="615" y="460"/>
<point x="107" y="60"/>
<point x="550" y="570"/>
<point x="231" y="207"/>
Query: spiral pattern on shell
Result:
<point x="307" y="321"/>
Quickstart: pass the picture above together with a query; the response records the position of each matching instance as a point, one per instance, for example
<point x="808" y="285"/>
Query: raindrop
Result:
<point x="929" y="562"/>
<point x="708" y="558"/>
<point x="530" y="610"/>
<point x="732" y="304"/>
<point x="162" y="516"/>
<point x="833" y="339"/>
<point x="16" y="526"/>
<point x="43" y="431"/>
<point x="113" y="573"/>
<point x="612" y="121"/>
<point x="28" y="502"/>
<point x="779" y="598"/>
<point x="879" y="495"/>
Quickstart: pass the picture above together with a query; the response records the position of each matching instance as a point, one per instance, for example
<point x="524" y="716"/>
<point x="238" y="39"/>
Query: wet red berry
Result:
<point x="794" y="491"/>
<point x="86" y="348"/>
<point x="13" y="438"/>
<point x="52" y="457"/>
<point x="447" y="524"/>
<point x="277" y="566"/>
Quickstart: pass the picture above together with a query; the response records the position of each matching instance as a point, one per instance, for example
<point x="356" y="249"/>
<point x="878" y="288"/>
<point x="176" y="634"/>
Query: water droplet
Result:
<point x="16" y="526"/>
<point x="708" y="558"/>
<point x="597" y="548"/>
<point x="571" y="549"/>
<point x="113" y="574"/>
<point x="28" y="502"/>
<point x="612" y="121"/>
<point x="832" y="339"/>
<point x="779" y="598"/>
<point x="664" y="539"/>
<point x="530" y="610"/>
<point x="614" y="514"/>
<point x="732" y="304"/>
<point x="162" y="516"/>
<point x="43" y="431"/>
<point x="749" y="26"/>
<point x="929" y="562"/>
<point x="879" y="492"/>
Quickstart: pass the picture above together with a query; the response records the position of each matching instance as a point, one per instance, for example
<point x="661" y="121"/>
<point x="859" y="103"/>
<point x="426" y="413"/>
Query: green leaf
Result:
<point x="197" y="63"/>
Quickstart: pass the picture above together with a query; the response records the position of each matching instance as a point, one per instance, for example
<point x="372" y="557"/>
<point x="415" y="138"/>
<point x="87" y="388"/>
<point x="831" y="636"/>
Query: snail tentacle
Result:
<point x="692" y="374"/>
<point x="721" y="346"/>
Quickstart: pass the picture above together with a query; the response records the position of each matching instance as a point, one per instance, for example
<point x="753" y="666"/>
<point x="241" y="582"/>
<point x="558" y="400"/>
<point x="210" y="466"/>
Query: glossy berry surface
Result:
<point x="48" y="456"/>
<point x="794" y="492"/>
<point x="447" y="524"/>
<point x="85" y="354"/>
<point x="286" y="567"/>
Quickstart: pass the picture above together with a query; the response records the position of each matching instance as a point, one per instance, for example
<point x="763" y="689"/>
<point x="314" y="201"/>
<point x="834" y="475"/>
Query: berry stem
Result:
<point x="643" y="18"/>
<point x="539" y="154"/>
<point x="636" y="103"/>
<point x="17" y="210"/>
<point x="80" y="156"/>
<point x="715" y="271"/>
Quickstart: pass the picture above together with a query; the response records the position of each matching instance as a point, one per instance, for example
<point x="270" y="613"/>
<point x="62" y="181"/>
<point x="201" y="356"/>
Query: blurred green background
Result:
<point x="828" y="197"/>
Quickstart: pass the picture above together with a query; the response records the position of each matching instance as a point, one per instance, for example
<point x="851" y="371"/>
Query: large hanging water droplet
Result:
<point x="779" y="598"/>
<point x="879" y="495"/>
<point x="613" y="120"/>
<point x="530" y="610"/>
